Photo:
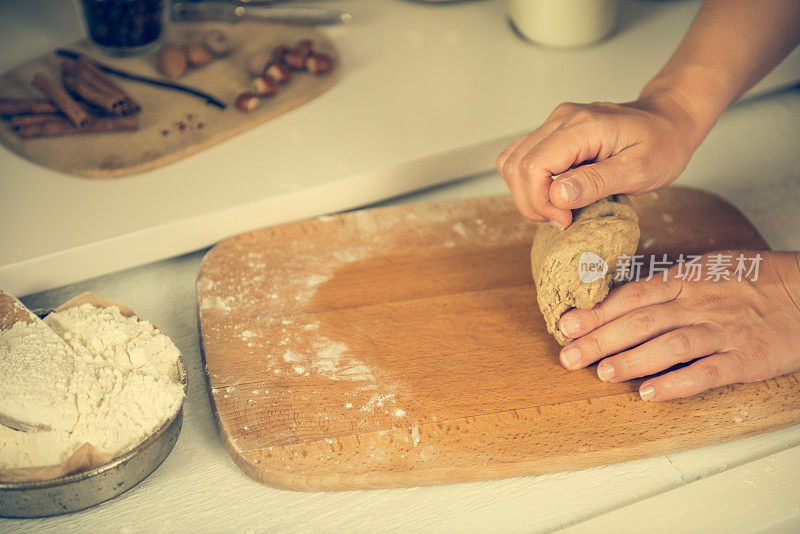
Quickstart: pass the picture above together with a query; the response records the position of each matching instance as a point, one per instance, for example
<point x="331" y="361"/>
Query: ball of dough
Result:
<point x="606" y="230"/>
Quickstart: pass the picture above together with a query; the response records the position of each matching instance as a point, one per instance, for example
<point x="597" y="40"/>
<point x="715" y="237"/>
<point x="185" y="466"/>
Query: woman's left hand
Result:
<point x="737" y="331"/>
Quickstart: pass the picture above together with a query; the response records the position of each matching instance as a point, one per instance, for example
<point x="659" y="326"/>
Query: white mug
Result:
<point x="564" y="22"/>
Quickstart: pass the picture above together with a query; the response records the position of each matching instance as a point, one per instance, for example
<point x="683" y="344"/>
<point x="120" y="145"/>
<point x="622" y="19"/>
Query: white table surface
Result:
<point x="426" y="94"/>
<point x="751" y="159"/>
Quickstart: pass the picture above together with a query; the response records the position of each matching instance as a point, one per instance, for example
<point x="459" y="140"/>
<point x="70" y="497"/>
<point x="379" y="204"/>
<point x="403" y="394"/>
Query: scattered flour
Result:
<point x="460" y="229"/>
<point x="377" y="401"/>
<point x="217" y="302"/>
<point x="415" y="434"/>
<point x="328" y="359"/>
<point x="314" y="280"/>
<point x="114" y="381"/>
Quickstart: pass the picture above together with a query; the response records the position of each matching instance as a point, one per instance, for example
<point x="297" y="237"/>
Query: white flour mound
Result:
<point x="90" y="374"/>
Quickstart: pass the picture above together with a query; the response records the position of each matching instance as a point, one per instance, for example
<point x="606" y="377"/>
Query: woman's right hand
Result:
<point x="633" y="148"/>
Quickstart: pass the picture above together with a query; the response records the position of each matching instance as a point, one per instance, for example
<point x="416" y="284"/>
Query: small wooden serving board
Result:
<point x="107" y="155"/>
<point x="403" y="346"/>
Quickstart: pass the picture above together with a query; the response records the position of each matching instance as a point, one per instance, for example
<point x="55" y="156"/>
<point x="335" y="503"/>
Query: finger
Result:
<point x="632" y="329"/>
<point x="516" y="187"/>
<point x="556" y="118"/>
<point x="510" y="174"/>
<point x="585" y="184"/>
<point x="565" y="147"/>
<point x="707" y="373"/>
<point x="533" y="196"/>
<point x="620" y="301"/>
<point x="677" y="346"/>
<point x="501" y="159"/>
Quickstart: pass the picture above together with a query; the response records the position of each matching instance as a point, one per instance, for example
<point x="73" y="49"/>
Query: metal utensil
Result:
<point x="227" y="12"/>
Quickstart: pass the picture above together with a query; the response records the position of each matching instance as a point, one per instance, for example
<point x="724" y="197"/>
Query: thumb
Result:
<point x="585" y="184"/>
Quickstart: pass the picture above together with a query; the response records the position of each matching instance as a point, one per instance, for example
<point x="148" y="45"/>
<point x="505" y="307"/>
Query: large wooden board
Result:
<point x="403" y="346"/>
<point x="106" y="155"/>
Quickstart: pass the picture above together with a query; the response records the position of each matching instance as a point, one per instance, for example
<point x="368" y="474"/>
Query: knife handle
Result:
<point x="295" y="15"/>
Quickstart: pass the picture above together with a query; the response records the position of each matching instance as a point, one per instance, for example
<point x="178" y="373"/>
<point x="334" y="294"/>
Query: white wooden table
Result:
<point x="751" y="158"/>
<point x="426" y="94"/>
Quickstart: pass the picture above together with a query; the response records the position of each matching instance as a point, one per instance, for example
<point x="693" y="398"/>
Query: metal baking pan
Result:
<point x="82" y="490"/>
<point x="78" y="491"/>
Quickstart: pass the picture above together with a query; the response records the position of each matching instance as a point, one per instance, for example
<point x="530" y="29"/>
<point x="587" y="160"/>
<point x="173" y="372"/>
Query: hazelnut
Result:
<point x="196" y="54"/>
<point x="264" y="85"/>
<point x="319" y="63"/>
<point x="295" y="60"/>
<point x="279" y="51"/>
<point x="247" y="101"/>
<point x="217" y="43"/>
<point x="171" y="61"/>
<point x="305" y="47"/>
<point x="257" y="62"/>
<point x="278" y="72"/>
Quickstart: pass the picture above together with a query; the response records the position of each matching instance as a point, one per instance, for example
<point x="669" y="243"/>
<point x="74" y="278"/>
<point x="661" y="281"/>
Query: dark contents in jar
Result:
<point x="124" y="23"/>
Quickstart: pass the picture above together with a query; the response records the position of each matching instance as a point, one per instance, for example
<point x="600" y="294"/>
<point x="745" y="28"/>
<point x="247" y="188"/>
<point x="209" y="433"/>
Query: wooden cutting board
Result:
<point x="115" y="154"/>
<point x="403" y="346"/>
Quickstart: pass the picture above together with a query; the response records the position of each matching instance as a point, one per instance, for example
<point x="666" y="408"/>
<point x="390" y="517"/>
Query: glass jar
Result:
<point x="124" y="27"/>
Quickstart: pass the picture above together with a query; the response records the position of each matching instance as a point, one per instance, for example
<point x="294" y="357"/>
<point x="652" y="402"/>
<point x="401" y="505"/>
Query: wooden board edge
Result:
<point x="296" y="467"/>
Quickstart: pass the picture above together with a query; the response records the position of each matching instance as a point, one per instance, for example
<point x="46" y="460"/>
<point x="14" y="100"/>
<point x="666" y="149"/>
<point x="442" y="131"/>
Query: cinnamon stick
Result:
<point x="88" y="92"/>
<point x="87" y="82"/>
<point x="25" y="106"/>
<point x="62" y="126"/>
<point x="25" y="120"/>
<point x="129" y="104"/>
<point x="68" y="106"/>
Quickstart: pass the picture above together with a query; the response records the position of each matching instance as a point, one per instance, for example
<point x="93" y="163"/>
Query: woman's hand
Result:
<point x="631" y="148"/>
<point x="737" y="331"/>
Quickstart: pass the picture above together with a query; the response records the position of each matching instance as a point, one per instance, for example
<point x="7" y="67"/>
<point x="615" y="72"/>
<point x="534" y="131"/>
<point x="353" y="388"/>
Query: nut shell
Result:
<point x="264" y="85"/>
<point x="279" y="51"/>
<point x="247" y="102"/>
<point x="319" y="63"/>
<point x="171" y="61"/>
<point x="278" y="72"/>
<point x="196" y="54"/>
<point x="295" y="60"/>
<point x="305" y="47"/>
<point x="216" y="43"/>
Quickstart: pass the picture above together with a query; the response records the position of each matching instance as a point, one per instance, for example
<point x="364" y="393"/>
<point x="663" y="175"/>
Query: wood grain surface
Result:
<point x="106" y="155"/>
<point x="403" y="346"/>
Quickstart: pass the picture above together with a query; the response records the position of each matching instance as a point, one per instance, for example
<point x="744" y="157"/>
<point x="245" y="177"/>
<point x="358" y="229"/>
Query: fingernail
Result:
<point x="569" y="191"/>
<point x="605" y="371"/>
<point x="556" y="224"/>
<point x="570" y="326"/>
<point x="647" y="392"/>
<point x="570" y="356"/>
